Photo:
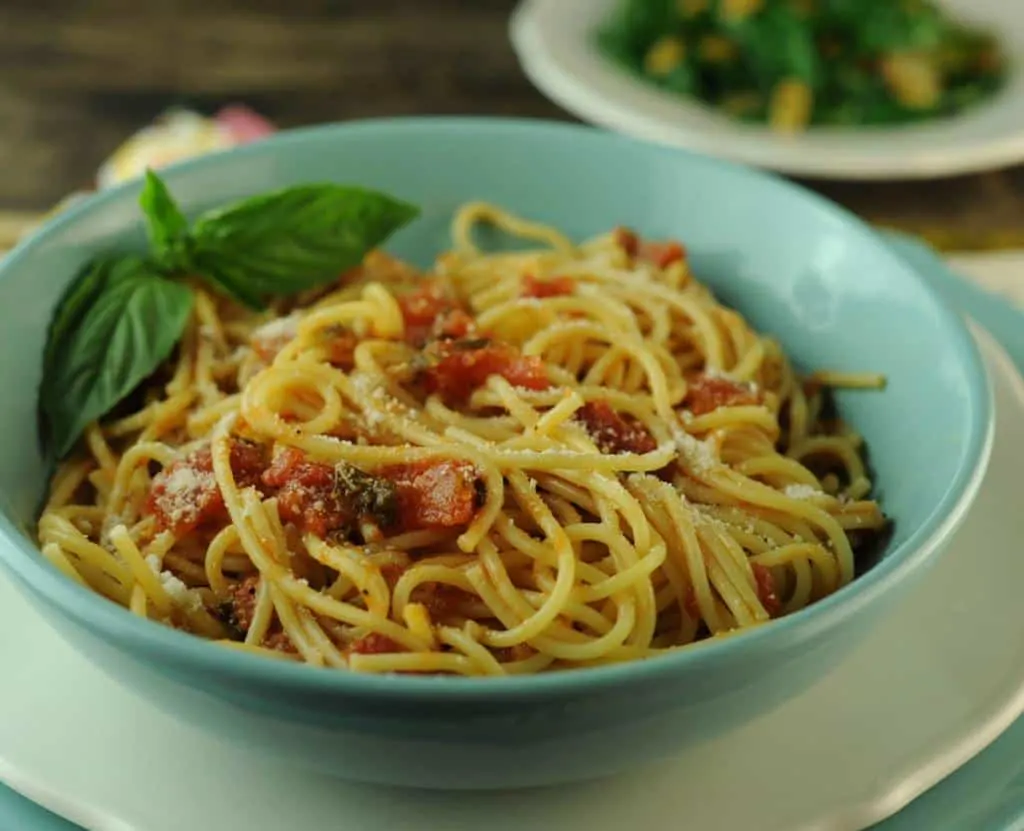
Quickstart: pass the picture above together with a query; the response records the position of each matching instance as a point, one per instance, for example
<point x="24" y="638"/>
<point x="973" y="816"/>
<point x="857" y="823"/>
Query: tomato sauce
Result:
<point x="555" y="287"/>
<point x="375" y="644"/>
<point x="456" y="368"/>
<point x="613" y="433"/>
<point x="185" y="495"/>
<point x="307" y="494"/>
<point x="661" y="253"/>
<point x="766" y="589"/>
<point x="706" y="393"/>
<point x="433" y="494"/>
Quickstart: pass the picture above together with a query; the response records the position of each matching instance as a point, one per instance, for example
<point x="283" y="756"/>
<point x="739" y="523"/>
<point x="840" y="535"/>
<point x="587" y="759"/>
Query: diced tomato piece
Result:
<point x="453" y="324"/>
<point x="527" y="372"/>
<point x="429" y="313"/>
<point x="555" y="287"/>
<point x="441" y="599"/>
<point x="185" y="495"/>
<point x="341" y="346"/>
<point x="240" y="609"/>
<point x="662" y="254"/>
<point x="392" y="573"/>
<point x="766" y="589"/>
<point x="706" y="393"/>
<point x="421" y="306"/>
<point x="427" y="310"/>
<point x="375" y="644"/>
<point x="308" y="496"/>
<point x="322" y="499"/>
<point x="627" y="240"/>
<point x="611" y="432"/>
<point x="241" y="606"/>
<point x="433" y="494"/>
<point x="459" y="367"/>
<point x="248" y="461"/>
<point x="291" y="464"/>
<point x="511" y="654"/>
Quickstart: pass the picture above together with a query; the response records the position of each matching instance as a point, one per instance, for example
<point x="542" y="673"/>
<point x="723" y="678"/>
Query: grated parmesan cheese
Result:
<point x="701" y="517"/>
<point x="799" y="491"/>
<point x="110" y="522"/>
<point x="378" y="403"/>
<point x="280" y="327"/>
<point x="181" y="488"/>
<point x="722" y="375"/>
<point x="180" y="594"/>
<point x="697" y="455"/>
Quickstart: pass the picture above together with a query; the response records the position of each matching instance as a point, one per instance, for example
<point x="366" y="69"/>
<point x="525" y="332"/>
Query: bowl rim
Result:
<point x="128" y="632"/>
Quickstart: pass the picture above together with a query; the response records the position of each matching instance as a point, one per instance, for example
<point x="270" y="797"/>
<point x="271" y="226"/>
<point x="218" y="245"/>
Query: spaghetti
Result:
<point x="522" y="461"/>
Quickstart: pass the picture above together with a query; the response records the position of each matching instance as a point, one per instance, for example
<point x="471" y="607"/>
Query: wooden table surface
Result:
<point x="78" y="76"/>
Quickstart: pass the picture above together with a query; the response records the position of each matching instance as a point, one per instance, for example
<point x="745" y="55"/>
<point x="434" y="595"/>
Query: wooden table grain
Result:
<point x="77" y="76"/>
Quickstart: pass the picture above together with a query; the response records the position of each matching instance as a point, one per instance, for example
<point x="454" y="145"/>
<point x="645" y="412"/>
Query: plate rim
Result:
<point x="914" y="784"/>
<point x="806" y="156"/>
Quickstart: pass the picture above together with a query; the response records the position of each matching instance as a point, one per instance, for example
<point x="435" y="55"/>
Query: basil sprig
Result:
<point x="122" y="316"/>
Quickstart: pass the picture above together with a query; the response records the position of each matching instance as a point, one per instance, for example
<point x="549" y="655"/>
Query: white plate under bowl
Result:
<point x="936" y="681"/>
<point x="554" y="40"/>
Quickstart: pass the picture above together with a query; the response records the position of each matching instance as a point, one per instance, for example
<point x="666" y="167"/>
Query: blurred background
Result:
<point x="77" y="77"/>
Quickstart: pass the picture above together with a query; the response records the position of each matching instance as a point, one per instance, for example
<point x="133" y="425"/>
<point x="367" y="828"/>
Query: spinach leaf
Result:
<point x="778" y="44"/>
<point x="635" y="25"/>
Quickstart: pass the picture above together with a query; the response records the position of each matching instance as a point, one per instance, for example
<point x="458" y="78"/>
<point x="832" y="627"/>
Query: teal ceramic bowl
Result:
<point x="796" y="265"/>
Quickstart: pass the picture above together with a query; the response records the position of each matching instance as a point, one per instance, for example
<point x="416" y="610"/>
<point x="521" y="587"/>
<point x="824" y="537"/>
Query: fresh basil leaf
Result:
<point x="128" y="329"/>
<point x="72" y="306"/>
<point x="217" y="271"/>
<point x="292" y="239"/>
<point x="80" y="293"/>
<point x="165" y="222"/>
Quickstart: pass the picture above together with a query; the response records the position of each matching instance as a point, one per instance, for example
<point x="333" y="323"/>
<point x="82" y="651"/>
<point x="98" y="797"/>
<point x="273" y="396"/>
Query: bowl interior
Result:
<point x="794" y="265"/>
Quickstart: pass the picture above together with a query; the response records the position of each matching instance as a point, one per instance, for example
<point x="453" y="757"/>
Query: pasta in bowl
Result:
<point x="487" y="515"/>
<point x="550" y="458"/>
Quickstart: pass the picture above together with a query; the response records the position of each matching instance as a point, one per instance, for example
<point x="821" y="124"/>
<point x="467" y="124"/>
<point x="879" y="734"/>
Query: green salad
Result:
<point x="795" y="63"/>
